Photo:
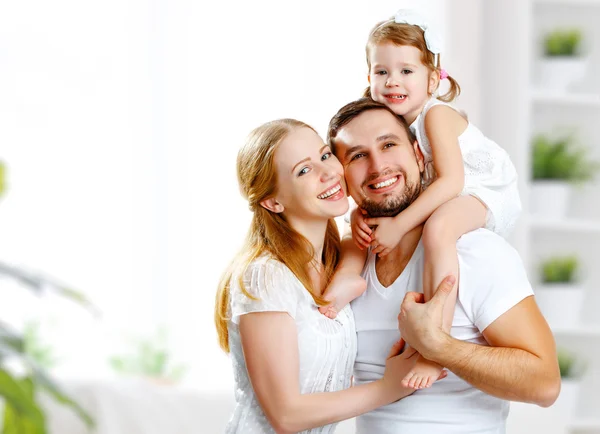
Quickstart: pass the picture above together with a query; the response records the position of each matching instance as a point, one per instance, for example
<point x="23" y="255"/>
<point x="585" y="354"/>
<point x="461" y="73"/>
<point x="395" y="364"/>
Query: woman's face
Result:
<point x="310" y="179"/>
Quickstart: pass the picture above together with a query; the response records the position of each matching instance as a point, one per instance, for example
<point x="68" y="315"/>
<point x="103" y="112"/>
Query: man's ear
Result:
<point x="419" y="156"/>
<point x="272" y="205"/>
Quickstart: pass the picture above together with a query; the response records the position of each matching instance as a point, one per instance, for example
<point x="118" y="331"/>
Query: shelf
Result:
<point x="583" y="330"/>
<point x="568" y="2"/>
<point x="566" y="225"/>
<point x="553" y="97"/>
<point x="583" y="425"/>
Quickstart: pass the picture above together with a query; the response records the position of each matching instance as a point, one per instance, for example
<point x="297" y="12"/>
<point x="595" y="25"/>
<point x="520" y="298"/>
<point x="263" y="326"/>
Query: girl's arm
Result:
<point x="270" y="345"/>
<point x="443" y="125"/>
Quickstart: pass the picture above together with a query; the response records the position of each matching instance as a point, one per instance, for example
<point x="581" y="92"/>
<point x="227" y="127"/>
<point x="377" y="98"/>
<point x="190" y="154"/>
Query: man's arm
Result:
<point x="520" y="364"/>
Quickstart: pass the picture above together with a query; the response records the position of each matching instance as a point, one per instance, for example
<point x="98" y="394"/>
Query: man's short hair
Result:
<point x="355" y="108"/>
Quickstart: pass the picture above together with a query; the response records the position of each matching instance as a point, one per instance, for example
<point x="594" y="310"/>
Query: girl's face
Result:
<point x="310" y="179"/>
<point x="399" y="80"/>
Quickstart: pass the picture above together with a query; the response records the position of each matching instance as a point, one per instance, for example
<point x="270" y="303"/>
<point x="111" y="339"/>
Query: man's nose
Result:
<point x="377" y="163"/>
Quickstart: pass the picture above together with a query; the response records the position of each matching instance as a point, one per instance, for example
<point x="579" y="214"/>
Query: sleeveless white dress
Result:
<point x="327" y="348"/>
<point x="490" y="175"/>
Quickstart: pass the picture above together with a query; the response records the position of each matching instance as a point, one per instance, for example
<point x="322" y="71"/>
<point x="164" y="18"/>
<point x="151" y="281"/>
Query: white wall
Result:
<point x="120" y="124"/>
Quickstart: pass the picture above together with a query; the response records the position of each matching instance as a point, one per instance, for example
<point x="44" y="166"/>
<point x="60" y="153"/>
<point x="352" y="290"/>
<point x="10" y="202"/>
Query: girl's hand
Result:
<point x="360" y="230"/>
<point x="386" y="236"/>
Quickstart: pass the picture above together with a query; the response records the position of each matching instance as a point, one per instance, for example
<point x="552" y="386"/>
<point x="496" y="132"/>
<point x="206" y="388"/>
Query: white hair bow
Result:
<point x="432" y="38"/>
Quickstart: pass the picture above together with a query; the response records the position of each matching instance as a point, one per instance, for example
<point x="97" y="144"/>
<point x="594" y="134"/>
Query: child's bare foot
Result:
<point x="423" y="374"/>
<point x="342" y="289"/>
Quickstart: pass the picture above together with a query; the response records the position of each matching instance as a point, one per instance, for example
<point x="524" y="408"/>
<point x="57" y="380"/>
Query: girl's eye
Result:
<point x="380" y="73"/>
<point x="326" y="156"/>
<point x="303" y="171"/>
<point x="406" y="71"/>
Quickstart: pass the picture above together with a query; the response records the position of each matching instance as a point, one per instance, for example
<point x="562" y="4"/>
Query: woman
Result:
<point x="292" y="365"/>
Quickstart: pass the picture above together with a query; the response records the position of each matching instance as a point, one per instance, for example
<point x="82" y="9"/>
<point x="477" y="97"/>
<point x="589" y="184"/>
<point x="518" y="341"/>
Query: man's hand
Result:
<point x="420" y="323"/>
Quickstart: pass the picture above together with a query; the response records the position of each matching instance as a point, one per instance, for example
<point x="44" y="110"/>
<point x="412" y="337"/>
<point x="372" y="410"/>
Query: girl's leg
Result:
<point x="445" y="226"/>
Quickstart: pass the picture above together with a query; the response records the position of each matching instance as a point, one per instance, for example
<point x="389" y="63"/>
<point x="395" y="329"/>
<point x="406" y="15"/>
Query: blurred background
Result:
<point x="119" y="209"/>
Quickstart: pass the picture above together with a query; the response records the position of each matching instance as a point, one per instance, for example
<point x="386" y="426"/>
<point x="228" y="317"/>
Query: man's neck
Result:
<point x="391" y="266"/>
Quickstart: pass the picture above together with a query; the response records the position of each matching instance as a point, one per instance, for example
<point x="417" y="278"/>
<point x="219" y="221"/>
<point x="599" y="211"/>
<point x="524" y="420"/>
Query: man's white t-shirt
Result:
<point x="492" y="280"/>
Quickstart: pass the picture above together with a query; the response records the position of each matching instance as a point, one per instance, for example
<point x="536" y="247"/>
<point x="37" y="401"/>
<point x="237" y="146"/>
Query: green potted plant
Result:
<point x="557" y="165"/>
<point x="571" y="371"/>
<point x="150" y="359"/>
<point x="560" y="295"/>
<point x="20" y="410"/>
<point x="562" y="63"/>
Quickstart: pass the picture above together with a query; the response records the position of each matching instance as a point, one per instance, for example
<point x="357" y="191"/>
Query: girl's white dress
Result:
<point x="489" y="173"/>
<point x="327" y="348"/>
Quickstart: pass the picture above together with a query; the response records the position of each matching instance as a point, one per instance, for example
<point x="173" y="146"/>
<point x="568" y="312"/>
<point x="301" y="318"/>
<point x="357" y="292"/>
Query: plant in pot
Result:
<point x="556" y="166"/>
<point x="562" y="64"/>
<point x="150" y="359"/>
<point x="559" y="295"/>
<point x="571" y="371"/>
<point x="22" y="377"/>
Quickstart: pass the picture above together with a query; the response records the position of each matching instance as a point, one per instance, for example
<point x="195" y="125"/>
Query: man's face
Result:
<point x="382" y="167"/>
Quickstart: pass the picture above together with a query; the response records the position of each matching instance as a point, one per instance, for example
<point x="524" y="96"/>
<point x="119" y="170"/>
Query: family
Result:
<point x="420" y="318"/>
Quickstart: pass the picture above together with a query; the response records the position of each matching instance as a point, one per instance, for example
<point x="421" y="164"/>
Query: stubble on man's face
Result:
<point x="393" y="204"/>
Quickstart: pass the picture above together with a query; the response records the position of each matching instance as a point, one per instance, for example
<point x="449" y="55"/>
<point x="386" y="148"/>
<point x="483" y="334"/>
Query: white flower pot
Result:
<point x="560" y="72"/>
<point x="567" y="400"/>
<point x="549" y="198"/>
<point x="560" y="303"/>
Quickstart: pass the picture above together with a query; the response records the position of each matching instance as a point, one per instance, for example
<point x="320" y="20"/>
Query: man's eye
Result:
<point x="389" y="145"/>
<point x="357" y="156"/>
<point x="303" y="171"/>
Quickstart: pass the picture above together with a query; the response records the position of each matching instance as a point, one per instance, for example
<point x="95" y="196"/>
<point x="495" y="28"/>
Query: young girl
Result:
<point x="469" y="181"/>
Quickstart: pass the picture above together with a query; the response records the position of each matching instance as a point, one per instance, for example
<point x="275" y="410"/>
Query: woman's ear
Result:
<point x="272" y="205"/>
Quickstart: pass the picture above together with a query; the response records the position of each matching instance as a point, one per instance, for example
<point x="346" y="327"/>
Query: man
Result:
<point x="500" y="347"/>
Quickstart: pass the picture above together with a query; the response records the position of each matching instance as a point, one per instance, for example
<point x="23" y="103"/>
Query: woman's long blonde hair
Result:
<point x="269" y="232"/>
<point x="407" y="34"/>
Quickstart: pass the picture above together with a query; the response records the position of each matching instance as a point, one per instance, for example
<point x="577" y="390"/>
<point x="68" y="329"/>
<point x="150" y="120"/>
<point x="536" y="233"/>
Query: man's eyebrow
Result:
<point x="308" y="158"/>
<point x="387" y="137"/>
<point x="351" y="150"/>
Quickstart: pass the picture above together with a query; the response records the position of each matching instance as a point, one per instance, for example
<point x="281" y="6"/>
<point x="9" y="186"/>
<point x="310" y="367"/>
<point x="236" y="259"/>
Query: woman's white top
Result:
<point x="489" y="174"/>
<point x="326" y="348"/>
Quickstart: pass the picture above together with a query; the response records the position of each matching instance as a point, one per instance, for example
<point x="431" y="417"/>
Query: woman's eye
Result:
<point x="326" y="156"/>
<point x="303" y="171"/>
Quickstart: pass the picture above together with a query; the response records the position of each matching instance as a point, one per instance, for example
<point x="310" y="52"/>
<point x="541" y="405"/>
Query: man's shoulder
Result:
<point x="483" y="248"/>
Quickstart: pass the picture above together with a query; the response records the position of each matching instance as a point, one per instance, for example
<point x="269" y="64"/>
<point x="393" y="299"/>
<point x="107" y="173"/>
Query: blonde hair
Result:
<point x="270" y="232"/>
<point x="407" y="34"/>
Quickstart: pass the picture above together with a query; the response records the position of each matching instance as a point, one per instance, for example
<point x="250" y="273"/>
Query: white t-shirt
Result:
<point x="492" y="280"/>
<point x="326" y="348"/>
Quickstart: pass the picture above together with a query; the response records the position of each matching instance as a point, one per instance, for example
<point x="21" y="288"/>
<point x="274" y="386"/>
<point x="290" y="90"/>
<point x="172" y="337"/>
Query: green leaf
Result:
<point x="42" y="380"/>
<point x="18" y="423"/>
<point x="19" y="397"/>
<point x="2" y="178"/>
